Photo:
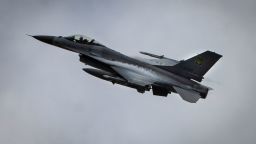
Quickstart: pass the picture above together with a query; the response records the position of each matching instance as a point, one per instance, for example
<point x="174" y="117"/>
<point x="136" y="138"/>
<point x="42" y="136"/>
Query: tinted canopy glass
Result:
<point x="83" y="40"/>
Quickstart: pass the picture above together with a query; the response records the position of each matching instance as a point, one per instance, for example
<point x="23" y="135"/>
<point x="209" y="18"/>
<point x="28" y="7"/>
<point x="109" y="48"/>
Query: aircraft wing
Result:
<point x="132" y="77"/>
<point x="129" y="75"/>
<point x="188" y="95"/>
<point x="158" y="62"/>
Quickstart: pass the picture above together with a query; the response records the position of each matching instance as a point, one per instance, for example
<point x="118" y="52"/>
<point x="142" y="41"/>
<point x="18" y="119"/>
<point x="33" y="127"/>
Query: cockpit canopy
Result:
<point x="83" y="40"/>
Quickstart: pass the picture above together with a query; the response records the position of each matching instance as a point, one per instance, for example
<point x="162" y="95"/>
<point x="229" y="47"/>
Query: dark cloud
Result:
<point x="45" y="97"/>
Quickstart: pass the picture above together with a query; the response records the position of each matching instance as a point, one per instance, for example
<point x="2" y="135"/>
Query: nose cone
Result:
<point x="46" y="39"/>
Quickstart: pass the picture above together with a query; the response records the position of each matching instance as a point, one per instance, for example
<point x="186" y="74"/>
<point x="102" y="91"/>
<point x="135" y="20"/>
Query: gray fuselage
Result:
<point x="144" y="70"/>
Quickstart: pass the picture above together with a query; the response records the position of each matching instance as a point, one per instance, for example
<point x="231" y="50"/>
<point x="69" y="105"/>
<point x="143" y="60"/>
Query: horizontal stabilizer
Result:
<point x="188" y="95"/>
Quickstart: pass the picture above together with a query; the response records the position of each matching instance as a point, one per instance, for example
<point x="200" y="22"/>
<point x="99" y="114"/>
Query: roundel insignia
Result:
<point x="199" y="61"/>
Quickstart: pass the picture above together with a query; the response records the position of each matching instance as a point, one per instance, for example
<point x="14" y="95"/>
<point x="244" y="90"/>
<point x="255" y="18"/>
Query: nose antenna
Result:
<point x="29" y="35"/>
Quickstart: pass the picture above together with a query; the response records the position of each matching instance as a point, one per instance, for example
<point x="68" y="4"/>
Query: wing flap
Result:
<point x="188" y="95"/>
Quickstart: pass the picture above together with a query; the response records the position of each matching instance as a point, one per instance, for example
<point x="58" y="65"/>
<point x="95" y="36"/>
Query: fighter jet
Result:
<point x="162" y="75"/>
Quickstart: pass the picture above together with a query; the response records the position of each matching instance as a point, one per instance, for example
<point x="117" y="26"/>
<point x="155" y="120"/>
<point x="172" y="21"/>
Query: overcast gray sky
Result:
<point x="45" y="97"/>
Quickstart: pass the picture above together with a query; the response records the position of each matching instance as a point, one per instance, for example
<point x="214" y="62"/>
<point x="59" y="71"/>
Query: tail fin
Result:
<point x="198" y="65"/>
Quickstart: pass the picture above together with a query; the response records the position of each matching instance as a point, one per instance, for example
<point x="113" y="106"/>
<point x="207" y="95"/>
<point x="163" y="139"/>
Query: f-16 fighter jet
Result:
<point x="162" y="75"/>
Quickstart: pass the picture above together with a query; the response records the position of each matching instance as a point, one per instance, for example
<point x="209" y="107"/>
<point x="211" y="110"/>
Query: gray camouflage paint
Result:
<point x="33" y="109"/>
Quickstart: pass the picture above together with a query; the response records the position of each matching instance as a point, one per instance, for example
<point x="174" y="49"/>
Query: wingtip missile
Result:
<point x="152" y="55"/>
